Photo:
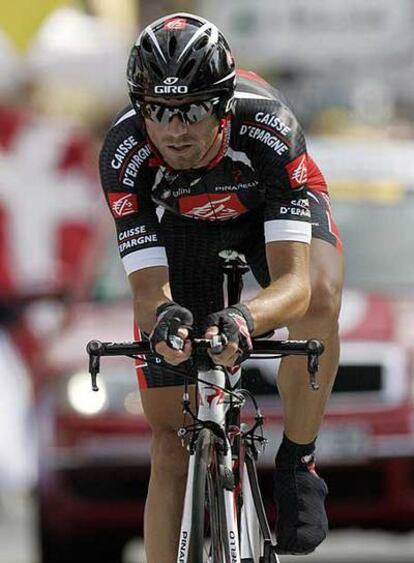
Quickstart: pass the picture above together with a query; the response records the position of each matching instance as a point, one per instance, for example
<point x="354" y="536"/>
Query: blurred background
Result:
<point x="74" y="465"/>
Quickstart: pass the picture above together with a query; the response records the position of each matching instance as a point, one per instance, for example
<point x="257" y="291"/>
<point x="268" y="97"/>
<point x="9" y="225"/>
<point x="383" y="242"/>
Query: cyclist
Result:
<point x="207" y="159"/>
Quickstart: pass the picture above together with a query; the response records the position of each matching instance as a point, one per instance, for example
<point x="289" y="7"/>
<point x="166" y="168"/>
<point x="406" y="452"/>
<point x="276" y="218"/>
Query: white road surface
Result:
<point x="18" y="544"/>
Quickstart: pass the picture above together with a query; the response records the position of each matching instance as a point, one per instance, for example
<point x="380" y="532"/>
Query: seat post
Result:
<point x="234" y="266"/>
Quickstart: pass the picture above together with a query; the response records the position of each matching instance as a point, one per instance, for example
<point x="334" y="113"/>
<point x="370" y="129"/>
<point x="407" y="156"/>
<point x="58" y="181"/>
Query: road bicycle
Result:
<point x="224" y="519"/>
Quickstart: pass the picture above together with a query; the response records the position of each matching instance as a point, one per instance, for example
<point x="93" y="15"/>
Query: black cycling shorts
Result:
<point x="196" y="278"/>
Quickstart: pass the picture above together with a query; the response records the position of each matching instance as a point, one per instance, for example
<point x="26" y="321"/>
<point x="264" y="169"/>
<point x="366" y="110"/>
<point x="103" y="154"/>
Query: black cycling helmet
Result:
<point x="182" y="55"/>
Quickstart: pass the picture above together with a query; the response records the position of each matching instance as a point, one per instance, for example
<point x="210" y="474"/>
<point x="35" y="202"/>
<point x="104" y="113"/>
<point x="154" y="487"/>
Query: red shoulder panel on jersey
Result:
<point x="316" y="180"/>
<point x="249" y="74"/>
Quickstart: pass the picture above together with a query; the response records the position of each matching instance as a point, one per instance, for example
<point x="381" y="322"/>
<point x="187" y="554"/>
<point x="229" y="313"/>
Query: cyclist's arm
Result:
<point x="128" y="195"/>
<point x="287" y="226"/>
<point x="150" y="288"/>
<point x="287" y="297"/>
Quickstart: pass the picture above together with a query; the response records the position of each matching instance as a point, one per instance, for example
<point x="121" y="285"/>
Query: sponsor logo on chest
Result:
<point x="211" y="207"/>
<point x="236" y="187"/>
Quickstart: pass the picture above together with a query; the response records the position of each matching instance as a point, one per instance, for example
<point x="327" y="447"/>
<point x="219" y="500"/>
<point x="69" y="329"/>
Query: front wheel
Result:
<point x="208" y="524"/>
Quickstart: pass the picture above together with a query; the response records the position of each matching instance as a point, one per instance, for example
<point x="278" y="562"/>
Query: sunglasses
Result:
<point x="188" y="113"/>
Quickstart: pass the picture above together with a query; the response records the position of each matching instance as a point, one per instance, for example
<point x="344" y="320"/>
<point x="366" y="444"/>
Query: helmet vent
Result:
<point x="187" y="68"/>
<point x="201" y="43"/>
<point x="146" y="45"/>
<point x="172" y="46"/>
<point x="156" y="69"/>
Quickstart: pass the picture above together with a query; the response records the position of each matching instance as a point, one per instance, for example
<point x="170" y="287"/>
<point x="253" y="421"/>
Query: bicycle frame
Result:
<point x="215" y="386"/>
<point x="246" y="539"/>
<point x="213" y="405"/>
<point x="212" y="409"/>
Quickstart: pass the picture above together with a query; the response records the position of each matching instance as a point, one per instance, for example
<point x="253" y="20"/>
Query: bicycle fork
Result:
<point x="212" y="408"/>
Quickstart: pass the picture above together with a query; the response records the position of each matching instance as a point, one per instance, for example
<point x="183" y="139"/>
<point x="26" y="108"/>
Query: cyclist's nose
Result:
<point x="176" y="126"/>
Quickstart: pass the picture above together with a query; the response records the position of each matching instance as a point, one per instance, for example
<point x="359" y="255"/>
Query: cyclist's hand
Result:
<point x="170" y="335"/>
<point x="236" y="324"/>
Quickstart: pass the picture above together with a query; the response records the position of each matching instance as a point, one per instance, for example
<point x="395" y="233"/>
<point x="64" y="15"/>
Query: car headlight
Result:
<point x="81" y="397"/>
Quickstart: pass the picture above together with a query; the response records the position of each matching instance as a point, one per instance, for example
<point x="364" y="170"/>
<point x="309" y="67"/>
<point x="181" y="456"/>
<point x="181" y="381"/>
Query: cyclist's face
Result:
<point x="183" y="145"/>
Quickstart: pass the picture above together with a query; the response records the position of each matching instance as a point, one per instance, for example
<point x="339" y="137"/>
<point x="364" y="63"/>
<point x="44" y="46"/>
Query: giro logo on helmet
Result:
<point x="171" y="80"/>
<point x="170" y="89"/>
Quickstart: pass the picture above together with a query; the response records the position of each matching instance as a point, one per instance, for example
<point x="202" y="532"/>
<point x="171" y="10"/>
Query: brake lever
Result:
<point x="93" y="348"/>
<point x="315" y="349"/>
<point x="94" y="367"/>
<point x="174" y="340"/>
<point x="217" y="343"/>
<point x="313" y="366"/>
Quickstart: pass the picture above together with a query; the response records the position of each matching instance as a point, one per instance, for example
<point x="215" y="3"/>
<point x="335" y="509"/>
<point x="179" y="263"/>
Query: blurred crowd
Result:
<point x="62" y="79"/>
<point x="60" y="85"/>
<point x="56" y="98"/>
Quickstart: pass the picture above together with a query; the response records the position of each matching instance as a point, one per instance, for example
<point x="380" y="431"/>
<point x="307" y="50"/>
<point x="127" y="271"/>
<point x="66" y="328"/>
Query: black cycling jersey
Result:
<point x="262" y="187"/>
<point x="263" y="163"/>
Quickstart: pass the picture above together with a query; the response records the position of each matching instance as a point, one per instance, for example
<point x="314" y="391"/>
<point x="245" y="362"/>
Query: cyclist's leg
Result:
<point x="300" y="493"/>
<point x="196" y="283"/>
<point x="162" y="408"/>
<point x="161" y="388"/>
<point x="303" y="407"/>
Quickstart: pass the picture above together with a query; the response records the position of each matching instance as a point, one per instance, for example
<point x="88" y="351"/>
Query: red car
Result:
<point x="94" y="447"/>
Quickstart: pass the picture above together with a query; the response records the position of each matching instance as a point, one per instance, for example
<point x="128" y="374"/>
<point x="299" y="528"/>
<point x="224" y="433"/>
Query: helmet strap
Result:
<point x="224" y="142"/>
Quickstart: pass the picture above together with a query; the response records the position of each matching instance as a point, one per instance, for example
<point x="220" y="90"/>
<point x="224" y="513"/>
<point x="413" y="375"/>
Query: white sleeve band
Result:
<point x="282" y="229"/>
<point x="145" y="258"/>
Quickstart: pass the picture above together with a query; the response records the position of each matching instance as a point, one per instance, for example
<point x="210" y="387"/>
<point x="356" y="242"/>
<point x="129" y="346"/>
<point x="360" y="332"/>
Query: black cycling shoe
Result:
<point x="300" y="499"/>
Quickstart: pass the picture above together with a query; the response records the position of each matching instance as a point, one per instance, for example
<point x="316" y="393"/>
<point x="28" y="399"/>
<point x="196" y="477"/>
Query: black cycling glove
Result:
<point x="170" y="317"/>
<point x="236" y="324"/>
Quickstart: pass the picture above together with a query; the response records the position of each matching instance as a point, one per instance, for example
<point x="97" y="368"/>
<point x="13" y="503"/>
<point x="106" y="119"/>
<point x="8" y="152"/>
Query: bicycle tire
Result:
<point x="208" y="500"/>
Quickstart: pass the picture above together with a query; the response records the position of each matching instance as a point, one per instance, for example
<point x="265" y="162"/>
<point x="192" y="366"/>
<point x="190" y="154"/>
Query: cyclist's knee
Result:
<point x="325" y="302"/>
<point x="168" y="456"/>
